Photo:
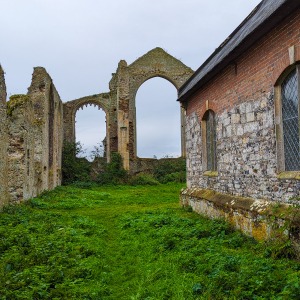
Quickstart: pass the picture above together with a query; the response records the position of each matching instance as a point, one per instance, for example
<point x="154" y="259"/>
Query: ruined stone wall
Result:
<point x="20" y="148"/>
<point x="48" y="130"/>
<point x="243" y="96"/>
<point x="155" y="63"/>
<point x="124" y="86"/>
<point x="119" y="103"/>
<point x="113" y="124"/>
<point x="3" y="141"/>
<point x="123" y="113"/>
<point x="102" y="101"/>
<point x="34" y="127"/>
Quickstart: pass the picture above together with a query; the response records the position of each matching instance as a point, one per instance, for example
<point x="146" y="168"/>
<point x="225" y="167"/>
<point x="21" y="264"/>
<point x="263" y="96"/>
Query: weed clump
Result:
<point x="113" y="172"/>
<point x="16" y="101"/>
<point x="143" y="179"/>
<point x="74" y="168"/>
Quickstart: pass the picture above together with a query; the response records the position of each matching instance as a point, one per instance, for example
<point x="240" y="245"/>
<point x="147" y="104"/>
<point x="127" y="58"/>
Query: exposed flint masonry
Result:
<point x="252" y="84"/>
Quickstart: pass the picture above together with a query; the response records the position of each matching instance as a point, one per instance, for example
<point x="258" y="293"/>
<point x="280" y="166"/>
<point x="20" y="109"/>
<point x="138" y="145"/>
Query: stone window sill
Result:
<point x="211" y="173"/>
<point x="289" y="175"/>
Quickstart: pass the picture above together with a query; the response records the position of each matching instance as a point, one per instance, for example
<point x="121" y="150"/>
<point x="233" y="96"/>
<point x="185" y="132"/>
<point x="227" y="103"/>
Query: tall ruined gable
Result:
<point x="3" y="141"/>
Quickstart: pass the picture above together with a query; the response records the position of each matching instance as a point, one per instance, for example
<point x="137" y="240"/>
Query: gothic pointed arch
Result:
<point x="71" y="107"/>
<point x="155" y="63"/>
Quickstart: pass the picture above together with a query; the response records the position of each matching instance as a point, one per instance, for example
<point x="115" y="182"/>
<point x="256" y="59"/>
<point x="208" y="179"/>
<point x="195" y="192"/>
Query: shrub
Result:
<point x="74" y="168"/>
<point x="84" y="184"/>
<point x="143" y="179"/>
<point x="113" y="173"/>
<point x="179" y="177"/>
<point x="170" y="170"/>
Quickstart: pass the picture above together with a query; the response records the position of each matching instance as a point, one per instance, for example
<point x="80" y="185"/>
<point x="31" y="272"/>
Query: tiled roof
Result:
<point x="257" y="22"/>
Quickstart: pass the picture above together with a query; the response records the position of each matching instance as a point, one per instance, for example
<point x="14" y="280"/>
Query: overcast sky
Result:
<point x="80" y="43"/>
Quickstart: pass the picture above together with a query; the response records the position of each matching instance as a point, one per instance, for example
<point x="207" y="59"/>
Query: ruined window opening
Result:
<point x="209" y="141"/>
<point x="90" y="131"/>
<point x="290" y="120"/>
<point x="158" y="126"/>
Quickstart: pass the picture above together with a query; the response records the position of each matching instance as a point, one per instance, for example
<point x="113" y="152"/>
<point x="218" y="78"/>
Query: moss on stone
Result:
<point x="211" y="173"/>
<point x="286" y="212"/>
<point x="289" y="175"/>
<point x="38" y="122"/>
<point x="16" y="101"/>
<point x="276" y="210"/>
<point x="220" y="199"/>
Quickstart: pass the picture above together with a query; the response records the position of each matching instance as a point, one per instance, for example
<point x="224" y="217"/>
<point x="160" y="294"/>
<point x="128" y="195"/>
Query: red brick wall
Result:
<point x="257" y="70"/>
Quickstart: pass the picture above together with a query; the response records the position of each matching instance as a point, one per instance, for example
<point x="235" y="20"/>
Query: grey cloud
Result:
<point x="81" y="42"/>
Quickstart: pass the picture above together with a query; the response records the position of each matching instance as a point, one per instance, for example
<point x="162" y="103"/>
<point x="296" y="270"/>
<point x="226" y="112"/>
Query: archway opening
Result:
<point x="158" y="125"/>
<point x="90" y="131"/>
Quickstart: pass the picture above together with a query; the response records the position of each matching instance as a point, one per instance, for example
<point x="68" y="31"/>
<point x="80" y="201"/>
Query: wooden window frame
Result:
<point x="282" y="172"/>
<point x="212" y="171"/>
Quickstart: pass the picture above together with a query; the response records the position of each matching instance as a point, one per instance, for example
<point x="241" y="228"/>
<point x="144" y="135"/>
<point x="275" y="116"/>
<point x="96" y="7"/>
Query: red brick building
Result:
<point x="242" y="110"/>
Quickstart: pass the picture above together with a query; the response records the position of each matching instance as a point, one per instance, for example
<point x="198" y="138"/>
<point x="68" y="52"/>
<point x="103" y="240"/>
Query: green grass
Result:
<point x="132" y="242"/>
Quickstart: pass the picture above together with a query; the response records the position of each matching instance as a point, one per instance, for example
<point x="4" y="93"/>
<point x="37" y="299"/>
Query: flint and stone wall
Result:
<point x="244" y="97"/>
<point x="246" y="154"/>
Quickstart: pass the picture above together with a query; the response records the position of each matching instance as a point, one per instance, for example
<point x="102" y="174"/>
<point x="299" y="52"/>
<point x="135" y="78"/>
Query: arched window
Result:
<point x="290" y="91"/>
<point x="157" y="119"/>
<point x="91" y="131"/>
<point x="209" y="141"/>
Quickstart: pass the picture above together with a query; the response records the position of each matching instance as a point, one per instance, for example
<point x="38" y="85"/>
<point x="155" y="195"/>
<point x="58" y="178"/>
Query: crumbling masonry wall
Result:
<point x="34" y="129"/>
<point x="155" y="63"/>
<point x="48" y="130"/>
<point x="102" y="101"/>
<point x="119" y="103"/>
<point x="3" y="141"/>
<point x="33" y="126"/>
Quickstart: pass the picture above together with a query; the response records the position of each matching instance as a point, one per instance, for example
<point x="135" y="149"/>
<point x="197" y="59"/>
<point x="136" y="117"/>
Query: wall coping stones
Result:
<point x="258" y="218"/>
<point x="235" y="202"/>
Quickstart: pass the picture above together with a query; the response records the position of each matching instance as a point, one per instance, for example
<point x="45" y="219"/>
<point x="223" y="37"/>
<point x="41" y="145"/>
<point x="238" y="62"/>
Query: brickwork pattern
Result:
<point x="242" y="96"/>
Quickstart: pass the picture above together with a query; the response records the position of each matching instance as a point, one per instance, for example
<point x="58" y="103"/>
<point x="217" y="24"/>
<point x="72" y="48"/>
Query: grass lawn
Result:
<point x="133" y="242"/>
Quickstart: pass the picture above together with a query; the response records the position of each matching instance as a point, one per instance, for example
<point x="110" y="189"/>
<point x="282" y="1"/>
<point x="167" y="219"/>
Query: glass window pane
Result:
<point x="290" y="119"/>
<point x="211" y="141"/>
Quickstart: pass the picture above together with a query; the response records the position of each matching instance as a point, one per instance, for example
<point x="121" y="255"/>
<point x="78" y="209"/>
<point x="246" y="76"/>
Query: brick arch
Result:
<point x="284" y="65"/>
<point x="284" y="72"/>
<point x="155" y="63"/>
